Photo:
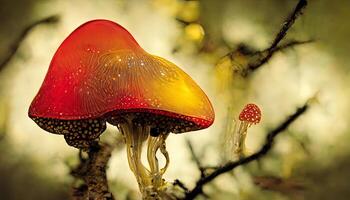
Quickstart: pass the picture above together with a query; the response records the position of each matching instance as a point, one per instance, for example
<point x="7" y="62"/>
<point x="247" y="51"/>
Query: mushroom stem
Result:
<point x="134" y="139"/>
<point x="150" y="180"/>
<point x="165" y="154"/>
<point x="155" y="143"/>
<point x="240" y="134"/>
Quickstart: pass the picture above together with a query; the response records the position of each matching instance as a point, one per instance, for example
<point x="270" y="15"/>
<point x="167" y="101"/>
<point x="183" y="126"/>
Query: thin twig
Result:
<point x="181" y="185"/>
<point x="198" y="189"/>
<point x="291" y="44"/>
<point x="17" y="43"/>
<point x="195" y="158"/>
<point x="280" y="35"/>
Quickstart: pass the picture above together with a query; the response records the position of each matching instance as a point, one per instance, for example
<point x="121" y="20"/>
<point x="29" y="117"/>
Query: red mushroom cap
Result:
<point x="251" y="113"/>
<point x="100" y="73"/>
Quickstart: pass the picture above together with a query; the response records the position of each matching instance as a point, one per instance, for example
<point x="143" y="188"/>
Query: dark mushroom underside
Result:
<point x="82" y="133"/>
<point x="77" y="133"/>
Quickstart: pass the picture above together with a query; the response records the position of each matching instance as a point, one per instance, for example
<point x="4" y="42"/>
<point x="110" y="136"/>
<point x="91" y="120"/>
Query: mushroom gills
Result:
<point x="77" y="133"/>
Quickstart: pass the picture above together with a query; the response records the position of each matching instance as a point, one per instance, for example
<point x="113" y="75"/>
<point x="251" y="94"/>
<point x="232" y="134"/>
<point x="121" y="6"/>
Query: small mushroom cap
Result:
<point x="251" y="113"/>
<point x="100" y="72"/>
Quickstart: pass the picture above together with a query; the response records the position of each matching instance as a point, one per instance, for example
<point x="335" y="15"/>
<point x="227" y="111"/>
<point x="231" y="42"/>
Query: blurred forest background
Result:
<point x="310" y="160"/>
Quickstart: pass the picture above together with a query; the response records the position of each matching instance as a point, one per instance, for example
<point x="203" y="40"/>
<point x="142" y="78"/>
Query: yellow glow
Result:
<point x="182" y="89"/>
<point x="194" y="32"/>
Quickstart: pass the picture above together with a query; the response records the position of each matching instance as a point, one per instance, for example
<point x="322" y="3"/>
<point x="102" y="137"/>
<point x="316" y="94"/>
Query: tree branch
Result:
<point x="17" y="43"/>
<point x="280" y="35"/>
<point x="198" y="189"/>
<point x="92" y="170"/>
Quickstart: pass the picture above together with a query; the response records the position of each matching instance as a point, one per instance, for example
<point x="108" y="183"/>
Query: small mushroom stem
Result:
<point x="150" y="181"/>
<point x="240" y="134"/>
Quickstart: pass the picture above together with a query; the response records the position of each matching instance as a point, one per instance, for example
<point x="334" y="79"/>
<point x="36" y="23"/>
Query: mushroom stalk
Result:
<point x="150" y="181"/>
<point x="155" y="144"/>
<point x="239" y="137"/>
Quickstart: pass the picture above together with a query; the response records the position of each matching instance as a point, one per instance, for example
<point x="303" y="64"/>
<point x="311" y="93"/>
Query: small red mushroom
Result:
<point x="251" y="114"/>
<point x="100" y="74"/>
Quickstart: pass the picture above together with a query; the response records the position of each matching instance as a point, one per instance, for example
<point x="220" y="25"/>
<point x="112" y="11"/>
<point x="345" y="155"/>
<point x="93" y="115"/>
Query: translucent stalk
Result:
<point x="150" y="181"/>
<point x="240" y="134"/>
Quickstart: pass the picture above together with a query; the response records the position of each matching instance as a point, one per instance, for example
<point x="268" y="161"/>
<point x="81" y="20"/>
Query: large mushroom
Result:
<point x="100" y="74"/>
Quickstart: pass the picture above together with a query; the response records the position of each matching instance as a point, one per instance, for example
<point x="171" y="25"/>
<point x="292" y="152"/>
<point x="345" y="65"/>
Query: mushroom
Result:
<point x="251" y="114"/>
<point x="100" y="74"/>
